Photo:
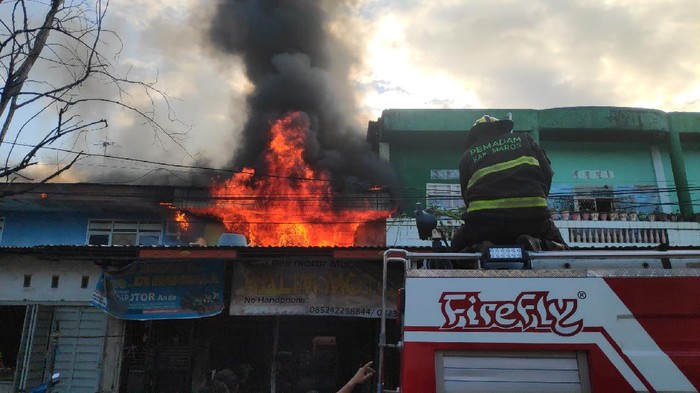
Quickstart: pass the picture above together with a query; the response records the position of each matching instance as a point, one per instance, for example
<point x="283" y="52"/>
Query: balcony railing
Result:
<point x="593" y="234"/>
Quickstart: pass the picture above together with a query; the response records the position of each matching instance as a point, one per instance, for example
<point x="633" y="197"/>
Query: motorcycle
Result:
<point x="47" y="386"/>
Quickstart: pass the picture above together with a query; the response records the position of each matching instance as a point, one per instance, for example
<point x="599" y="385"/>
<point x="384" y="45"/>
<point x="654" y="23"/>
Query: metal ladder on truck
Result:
<point x="606" y="273"/>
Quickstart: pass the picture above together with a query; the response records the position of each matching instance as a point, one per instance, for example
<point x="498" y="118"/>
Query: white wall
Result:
<point x="13" y="268"/>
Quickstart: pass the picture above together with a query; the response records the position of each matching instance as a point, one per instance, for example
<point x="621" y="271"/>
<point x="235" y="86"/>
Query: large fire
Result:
<point x="291" y="204"/>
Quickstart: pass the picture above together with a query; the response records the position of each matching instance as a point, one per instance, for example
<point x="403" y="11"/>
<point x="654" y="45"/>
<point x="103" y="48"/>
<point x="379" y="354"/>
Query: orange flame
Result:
<point x="181" y="219"/>
<point x="293" y="204"/>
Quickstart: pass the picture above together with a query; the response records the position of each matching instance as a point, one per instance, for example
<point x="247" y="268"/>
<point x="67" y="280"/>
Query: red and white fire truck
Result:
<point x="568" y="321"/>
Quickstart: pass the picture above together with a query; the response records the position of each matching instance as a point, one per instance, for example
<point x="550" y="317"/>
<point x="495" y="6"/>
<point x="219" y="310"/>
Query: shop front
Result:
<point x="166" y="305"/>
<point x="315" y="320"/>
<point x="47" y="325"/>
<point x="292" y="324"/>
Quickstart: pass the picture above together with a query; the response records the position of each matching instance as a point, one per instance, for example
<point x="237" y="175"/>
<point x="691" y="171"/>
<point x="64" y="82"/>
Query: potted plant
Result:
<point x="560" y="209"/>
<point x="565" y="214"/>
<point x="661" y="216"/>
<point x="673" y="217"/>
<point x="576" y="216"/>
<point x="555" y="214"/>
<point x="614" y="215"/>
<point x="623" y="216"/>
<point x="585" y="215"/>
<point x="632" y="216"/>
<point x="603" y="216"/>
<point x="643" y="216"/>
<point x="595" y="216"/>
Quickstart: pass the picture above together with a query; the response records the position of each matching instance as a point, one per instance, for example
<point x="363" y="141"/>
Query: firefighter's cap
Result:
<point x="488" y="125"/>
<point x="490" y="121"/>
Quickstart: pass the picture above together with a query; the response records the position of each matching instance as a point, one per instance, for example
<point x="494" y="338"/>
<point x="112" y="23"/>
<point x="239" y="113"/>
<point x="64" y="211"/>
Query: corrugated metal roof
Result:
<point x="98" y="249"/>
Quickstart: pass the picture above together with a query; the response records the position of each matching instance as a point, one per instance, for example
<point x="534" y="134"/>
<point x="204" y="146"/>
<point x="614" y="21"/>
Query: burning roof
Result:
<point x="291" y="205"/>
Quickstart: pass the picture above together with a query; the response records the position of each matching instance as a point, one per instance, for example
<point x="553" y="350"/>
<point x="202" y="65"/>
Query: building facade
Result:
<point x="104" y="285"/>
<point x="638" y="164"/>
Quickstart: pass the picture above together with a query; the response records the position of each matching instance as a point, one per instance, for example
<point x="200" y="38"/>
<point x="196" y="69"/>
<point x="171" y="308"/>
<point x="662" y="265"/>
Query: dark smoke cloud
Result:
<point x="286" y="50"/>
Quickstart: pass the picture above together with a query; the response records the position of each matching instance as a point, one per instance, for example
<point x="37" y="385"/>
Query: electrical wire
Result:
<point x="257" y="174"/>
<point x="199" y="167"/>
<point x="420" y="195"/>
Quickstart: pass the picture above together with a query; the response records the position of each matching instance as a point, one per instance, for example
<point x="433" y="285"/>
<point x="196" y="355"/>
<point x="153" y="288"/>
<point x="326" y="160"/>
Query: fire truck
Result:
<point x="560" y="321"/>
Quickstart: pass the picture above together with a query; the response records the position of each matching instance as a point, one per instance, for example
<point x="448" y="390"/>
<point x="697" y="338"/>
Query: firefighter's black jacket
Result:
<point x="505" y="176"/>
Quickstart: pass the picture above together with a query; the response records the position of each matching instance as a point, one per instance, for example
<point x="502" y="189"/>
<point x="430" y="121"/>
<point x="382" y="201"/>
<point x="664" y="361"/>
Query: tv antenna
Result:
<point x="104" y="144"/>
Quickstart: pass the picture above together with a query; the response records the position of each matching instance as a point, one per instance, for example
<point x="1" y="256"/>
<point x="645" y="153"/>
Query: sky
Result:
<point x="389" y="54"/>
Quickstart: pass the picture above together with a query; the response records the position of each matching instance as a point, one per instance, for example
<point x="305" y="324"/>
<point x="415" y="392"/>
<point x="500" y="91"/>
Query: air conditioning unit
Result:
<point x="232" y="239"/>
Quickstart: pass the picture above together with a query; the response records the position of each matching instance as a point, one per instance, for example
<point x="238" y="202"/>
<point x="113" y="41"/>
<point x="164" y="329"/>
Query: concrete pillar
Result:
<point x="679" y="174"/>
<point x="535" y="131"/>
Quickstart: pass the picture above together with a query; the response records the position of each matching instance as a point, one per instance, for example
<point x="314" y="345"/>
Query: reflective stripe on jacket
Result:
<point x="507" y="203"/>
<point x="502" y="166"/>
<point x="505" y="176"/>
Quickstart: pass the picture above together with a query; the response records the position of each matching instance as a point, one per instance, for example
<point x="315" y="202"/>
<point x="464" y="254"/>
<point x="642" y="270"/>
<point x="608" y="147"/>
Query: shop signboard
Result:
<point x="312" y="287"/>
<point x="162" y="290"/>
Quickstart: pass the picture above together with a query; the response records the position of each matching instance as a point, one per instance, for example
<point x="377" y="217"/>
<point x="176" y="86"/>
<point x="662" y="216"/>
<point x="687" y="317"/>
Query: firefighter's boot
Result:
<point x="478" y="247"/>
<point x="482" y="246"/>
<point x="530" y="243"/>
<point x="551" y="245"/>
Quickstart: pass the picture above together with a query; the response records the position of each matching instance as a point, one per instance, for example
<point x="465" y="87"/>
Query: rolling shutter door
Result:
<point x="80" y="347"/>
<point x="492" y="372"/>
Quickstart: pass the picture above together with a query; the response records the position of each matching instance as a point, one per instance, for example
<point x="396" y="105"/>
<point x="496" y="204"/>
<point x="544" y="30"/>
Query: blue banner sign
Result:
<point x="162" y="290"/>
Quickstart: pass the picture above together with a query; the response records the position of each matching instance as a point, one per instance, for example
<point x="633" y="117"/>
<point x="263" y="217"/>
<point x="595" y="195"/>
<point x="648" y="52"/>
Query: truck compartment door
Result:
<point x="491" y="372"/>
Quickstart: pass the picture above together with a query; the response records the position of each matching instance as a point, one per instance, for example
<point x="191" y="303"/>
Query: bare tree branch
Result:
<point x="15" y="81"/>
<point x="67" y="43"/>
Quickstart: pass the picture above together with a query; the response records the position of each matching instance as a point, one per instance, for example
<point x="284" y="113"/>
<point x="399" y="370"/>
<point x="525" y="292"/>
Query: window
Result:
<point x="443" y="195"/>
<point x="124" y="233"/>
<point x="594" y="199"/>
<point x="594" y="204"/>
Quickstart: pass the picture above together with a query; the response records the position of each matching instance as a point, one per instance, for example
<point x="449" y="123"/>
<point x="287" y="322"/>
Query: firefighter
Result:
<point x="505" y="179"/>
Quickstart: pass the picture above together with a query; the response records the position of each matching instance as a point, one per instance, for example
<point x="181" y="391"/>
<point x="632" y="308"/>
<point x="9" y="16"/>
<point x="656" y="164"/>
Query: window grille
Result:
<point x="443" y="195"/>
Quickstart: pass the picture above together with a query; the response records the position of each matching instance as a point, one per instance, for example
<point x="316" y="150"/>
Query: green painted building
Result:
<point x="604" y="158"/>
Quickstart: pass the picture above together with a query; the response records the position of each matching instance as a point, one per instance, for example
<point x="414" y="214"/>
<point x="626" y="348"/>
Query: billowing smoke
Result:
<point x="286" y="48"/>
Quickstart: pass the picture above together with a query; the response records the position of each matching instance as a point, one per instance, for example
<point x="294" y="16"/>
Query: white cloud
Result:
<point x="535" y="54"/>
